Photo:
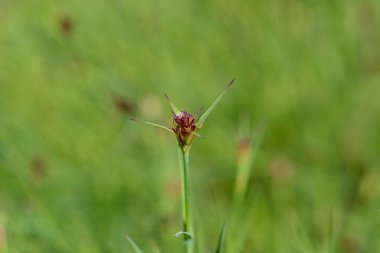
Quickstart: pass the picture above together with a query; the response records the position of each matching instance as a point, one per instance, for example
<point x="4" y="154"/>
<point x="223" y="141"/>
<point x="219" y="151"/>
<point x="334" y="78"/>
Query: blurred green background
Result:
<point x="76" y="175"/>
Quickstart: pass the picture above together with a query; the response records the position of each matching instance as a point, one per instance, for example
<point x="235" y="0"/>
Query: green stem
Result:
<point x="186" y="206"/>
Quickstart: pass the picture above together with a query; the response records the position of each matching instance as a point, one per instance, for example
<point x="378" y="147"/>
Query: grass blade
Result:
<point x="222" y="237"/>
<point x="245" y="163"/>
<point x="204" y="116"/>
<point x="152" y="124"/>
<point x="133" y="244"/>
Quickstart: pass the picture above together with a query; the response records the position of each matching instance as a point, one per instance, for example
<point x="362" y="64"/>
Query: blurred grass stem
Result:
<point x="186" y="206"/>
<point x="247" y="154"/>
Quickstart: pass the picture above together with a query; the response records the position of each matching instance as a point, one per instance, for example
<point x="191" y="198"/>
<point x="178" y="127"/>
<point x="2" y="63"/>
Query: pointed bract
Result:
<point x="198" y="135"/>
<point x="152" y="124"/>
<point x="174" y="108"/>
<point x="204" y="116"/>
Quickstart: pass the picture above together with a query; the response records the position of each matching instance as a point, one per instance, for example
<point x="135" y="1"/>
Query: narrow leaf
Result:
<point x="174" y="108"/>
<point x="152" y="124"/>
<point x="133" y="244"/>
<point x="222" y="237"/>
<point x="204" y="116"/>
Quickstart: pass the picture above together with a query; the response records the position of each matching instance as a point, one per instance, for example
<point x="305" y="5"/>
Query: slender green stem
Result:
<point x="186" y="203"/>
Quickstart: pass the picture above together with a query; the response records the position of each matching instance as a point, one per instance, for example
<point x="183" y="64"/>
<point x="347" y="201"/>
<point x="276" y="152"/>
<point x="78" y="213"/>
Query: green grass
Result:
<point x="77" y="176"/>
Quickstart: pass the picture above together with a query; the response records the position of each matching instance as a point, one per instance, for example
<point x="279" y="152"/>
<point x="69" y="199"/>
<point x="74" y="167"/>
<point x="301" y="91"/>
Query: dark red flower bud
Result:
<point x="185" y="127"/>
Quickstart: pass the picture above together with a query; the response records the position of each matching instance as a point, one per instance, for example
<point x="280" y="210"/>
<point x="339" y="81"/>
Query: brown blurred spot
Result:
<point x="369" y="57"/>
<point x="122" y="105"/>
<point x="65" y="25"/>
<point x="38" y="167"/>
<point x="367" y="17"/>
<point x="370" y="62"/>
<point x="350" y="244"/>
<point x="244" y="148"/>
<point x="282" y="169"/>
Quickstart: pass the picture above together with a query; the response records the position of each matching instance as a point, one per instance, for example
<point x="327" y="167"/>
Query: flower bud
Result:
<point x="184" y="129"/>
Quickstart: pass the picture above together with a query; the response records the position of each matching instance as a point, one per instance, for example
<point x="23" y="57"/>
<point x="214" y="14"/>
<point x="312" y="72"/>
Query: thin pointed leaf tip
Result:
<point x="204" y="116"/>
<point x="152" y="124"/>
<point x="185" y="125"/>
<point x="174" y="108"/>
<point x="222" y="238"/>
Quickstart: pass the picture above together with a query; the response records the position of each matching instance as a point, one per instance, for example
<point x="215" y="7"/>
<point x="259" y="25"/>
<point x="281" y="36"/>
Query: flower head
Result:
<point x="186" y="126"/>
